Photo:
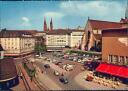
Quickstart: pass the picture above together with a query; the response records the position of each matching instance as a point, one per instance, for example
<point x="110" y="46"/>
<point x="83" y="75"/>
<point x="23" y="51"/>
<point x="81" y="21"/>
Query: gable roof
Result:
<point x="98" y="24"/>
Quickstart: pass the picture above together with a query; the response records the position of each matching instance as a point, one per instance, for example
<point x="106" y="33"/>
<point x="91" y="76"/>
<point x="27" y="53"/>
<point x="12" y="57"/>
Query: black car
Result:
<point x="63" y="80"/>
<point x="47" y="66"/>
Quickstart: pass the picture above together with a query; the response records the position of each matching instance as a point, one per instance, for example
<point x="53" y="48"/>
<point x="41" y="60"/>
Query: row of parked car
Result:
<point x="77" y="58"/>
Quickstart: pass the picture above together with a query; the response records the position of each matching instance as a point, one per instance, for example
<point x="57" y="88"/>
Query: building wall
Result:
<point x="85" y="39"/>
<point x="115" y="48"/>
<point x="17" y="46"/>
<point x="57" y="40"/>
<point x="76" y="38"/>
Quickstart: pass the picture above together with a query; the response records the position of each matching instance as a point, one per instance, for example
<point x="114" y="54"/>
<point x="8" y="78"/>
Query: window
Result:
<point x="110" y="58"/>
<point x="121" y="60"/>
<point x="126" y="60"/>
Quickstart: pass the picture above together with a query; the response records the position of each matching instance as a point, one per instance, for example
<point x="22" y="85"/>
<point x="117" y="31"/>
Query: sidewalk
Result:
<point x="46" y="81"/>
<point x="91" y="85"/>
<point x="19" y="86"/>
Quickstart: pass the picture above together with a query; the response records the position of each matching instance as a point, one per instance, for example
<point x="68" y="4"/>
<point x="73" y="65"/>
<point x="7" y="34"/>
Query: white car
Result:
<point x="56" y="73"/>
<point x="37" y="55"/>
<point x="79" y="60"/>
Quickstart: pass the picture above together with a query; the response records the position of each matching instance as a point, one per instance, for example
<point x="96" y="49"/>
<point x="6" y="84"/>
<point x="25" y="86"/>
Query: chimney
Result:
<point x="1" y="52"/>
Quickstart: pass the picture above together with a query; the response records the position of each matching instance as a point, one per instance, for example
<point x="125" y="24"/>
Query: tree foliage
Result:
<point x="40" y="48"/>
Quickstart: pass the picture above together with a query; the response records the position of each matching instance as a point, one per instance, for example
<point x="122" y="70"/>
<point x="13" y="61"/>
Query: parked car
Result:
<point x="56" y="73"/>
<point x="90" y="59"/>
<point x="58" y="63"/>
<point x="75" y="59"/>
<point x="68" y="67"/>
<point x="89" y="78"/>
<point x="79" y="61"/>
<point x="63" y="80"/>
<point x="47" y="66"/>
<point x="37" y="55"/>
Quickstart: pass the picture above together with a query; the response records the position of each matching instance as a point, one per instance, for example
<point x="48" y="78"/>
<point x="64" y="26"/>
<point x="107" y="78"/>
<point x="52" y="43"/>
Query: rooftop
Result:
<point x="98" y="24"/>
<point x="16" y="33"/>
<point x="7" y="69"/>
<point x="63" y="31"/>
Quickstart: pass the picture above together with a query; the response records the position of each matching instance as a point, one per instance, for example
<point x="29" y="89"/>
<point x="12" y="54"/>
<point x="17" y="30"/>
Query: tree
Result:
<point x="40" y="48"/>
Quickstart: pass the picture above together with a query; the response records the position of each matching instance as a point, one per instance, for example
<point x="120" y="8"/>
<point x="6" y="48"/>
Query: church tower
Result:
<point x="125" y="20"/>
<point x="126" y="12"/>
<point x="51" y="25"/>
<point x="45" y="25"/>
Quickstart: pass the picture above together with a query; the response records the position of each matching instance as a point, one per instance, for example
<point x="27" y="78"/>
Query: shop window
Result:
<point x="110" y="58"/>
<point x="115" y="59"/>
<point x="121" y="60"/>
<point x="126" y="60"/>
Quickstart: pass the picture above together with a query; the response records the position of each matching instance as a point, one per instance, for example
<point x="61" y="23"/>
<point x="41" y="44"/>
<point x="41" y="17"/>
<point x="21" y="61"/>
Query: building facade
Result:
<point x="115" y="46"/>
<point x="61" y="38"/>
<point x="76" y="37"/>
<point x="93" y="33"/>
<point x="40" y="38"/>
<point x="17" y="42"/>
<point x="57" y="39"/>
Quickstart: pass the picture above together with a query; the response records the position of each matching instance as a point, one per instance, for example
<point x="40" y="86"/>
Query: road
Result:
<point x="50" y="73"/>
<point x="72" y="85"/>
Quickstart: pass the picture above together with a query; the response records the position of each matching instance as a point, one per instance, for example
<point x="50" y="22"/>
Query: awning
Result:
<point x="111" y="69"/>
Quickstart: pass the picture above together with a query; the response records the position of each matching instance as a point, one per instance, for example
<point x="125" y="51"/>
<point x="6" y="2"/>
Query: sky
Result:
<point x="65" y="14"/>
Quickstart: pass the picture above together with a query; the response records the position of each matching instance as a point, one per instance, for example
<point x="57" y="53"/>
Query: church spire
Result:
<point x="45" y="25"/>
<point x="126" y="12"/>
<point x="51" y="25"/>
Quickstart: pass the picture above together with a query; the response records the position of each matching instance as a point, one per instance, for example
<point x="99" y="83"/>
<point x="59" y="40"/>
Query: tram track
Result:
<point x="21" y="74"/>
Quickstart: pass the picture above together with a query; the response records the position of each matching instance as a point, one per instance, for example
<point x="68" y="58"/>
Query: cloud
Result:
<point x="25" y="21"/>
<point x="56" y="15"/>
<point x="92" y="8"/>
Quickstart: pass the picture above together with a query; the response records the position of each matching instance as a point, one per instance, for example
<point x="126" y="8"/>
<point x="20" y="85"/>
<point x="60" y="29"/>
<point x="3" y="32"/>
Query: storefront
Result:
<point x="112" y="71"/>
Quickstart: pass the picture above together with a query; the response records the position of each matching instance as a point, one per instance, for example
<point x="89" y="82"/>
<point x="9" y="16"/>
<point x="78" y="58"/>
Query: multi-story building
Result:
<point x="57" y="39"/>
<point x="76" y="37"/>
<point x="17" y="42"/>
<point x="40" y="38"/>
<point x="115" y="46"/>
<point x="93" y="33"/>
<point x="61" y="38"/>
<point x="114" y="63"/>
